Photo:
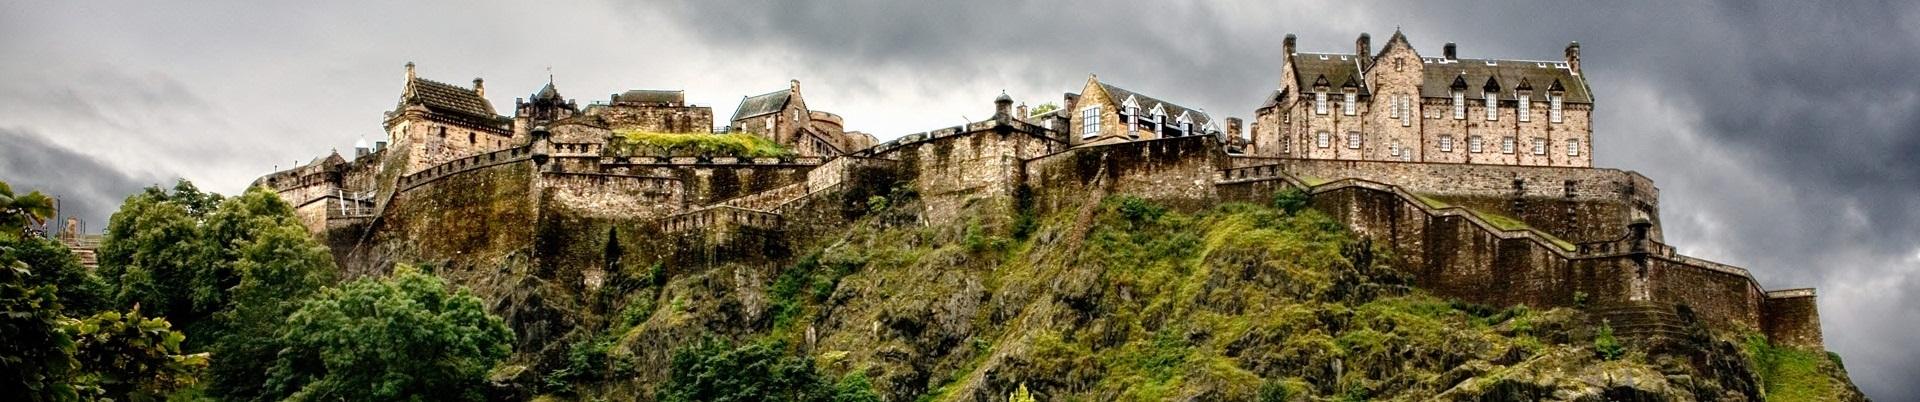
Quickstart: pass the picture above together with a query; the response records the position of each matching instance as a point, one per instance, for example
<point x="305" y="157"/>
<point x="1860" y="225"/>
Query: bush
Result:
<point x="713" y="370"/>
<point x="1606" y="345"/>
<point x="1291" y="200"/>
<point x="742" y="145"/>
<point x="1139" y="210"/>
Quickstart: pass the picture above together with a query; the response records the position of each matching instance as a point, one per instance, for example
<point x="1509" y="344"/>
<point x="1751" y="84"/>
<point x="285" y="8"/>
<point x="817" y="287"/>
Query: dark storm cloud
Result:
<point x="86" y="187"/>
<point x="1784" y="136"/>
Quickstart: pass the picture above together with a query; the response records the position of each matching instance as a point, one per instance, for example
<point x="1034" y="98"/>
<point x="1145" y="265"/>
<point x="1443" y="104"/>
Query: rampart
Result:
<point x="614" y="196"/>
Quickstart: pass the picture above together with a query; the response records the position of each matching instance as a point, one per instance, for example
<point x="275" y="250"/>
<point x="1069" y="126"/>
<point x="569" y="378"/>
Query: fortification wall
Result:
<point x="478" y="214"/>
<point x="1577" y="204"/>
<point x="954" y="169"/>
<point x="613" y="196"/>
<point x="658" y="119"/>
<point x="1793" y="317"/>
<point x="1174" y="171"/>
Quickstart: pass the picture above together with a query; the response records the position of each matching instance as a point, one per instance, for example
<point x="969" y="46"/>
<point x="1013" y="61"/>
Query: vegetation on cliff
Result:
<point x="1129" y="300"/>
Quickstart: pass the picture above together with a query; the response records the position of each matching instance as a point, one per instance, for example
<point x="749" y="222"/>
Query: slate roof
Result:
<point x="441" y="97"/>
<point x="1119" y="96"/>
<point x="1441" y="74"/>
<point x="652" y="96"/>
<point x="1338" y="69"/>
<point x="547" y="92"/>
<point x="768" y="103"/>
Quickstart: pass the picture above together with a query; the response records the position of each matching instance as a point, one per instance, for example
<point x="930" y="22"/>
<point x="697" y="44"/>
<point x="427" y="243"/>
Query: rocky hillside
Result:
<point x="1127" y="300"/>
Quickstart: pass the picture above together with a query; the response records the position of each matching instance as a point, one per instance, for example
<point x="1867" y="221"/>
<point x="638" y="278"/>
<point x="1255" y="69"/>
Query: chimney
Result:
<point x="793" y="86"/>
<point x="1233" y="127"/>
<point x="479" y="88"/>
<point x="1363" y="48"/>
<point x="409" y="71"/>
<point x="1452" y="51"/>
<point x="1020" y="111"/>
<point x="1573" y="57"/>
<point x="1287" y="45"/>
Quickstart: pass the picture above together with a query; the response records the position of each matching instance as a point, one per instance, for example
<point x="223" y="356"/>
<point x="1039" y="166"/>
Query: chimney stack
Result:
<point x="1020" y="111"/>
<point x="1452" y="51"/>
<point x="1233" y="127"/>
<point x="1287" y="44"/>
<point x="479" y="88"/>
<point x="793" y="86"/>
<point x="1573" y="57"/>
<point x="1363" y="48"/>
<point x="409" y="71"/>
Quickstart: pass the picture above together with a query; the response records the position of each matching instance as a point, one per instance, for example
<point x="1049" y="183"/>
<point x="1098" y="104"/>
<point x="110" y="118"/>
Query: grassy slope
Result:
<point x="1128" y="301"/>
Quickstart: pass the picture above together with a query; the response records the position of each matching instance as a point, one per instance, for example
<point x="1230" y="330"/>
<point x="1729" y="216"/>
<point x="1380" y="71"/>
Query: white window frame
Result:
<point x="1553" y="108"/>
<point x="1493" y="106"/>
<point x="1476" y="144"/>
<point x="1573" y="147"/>
<point x="1459" y="105"/>
<point x="1355" y="139"/>
<point x="1446" y="143"/>
<point x="1393" y="148"/>
<point x="1351" y="104"/>
<point x="1325" y="140"/>
<point x="1539" y="146"/>
<point x="1090" y="121"/>
<point x="1320" y="102"/>
<point x="1406" y="112"/>
<point x="1525" y="111"/>
<point x="1508" y="143"/>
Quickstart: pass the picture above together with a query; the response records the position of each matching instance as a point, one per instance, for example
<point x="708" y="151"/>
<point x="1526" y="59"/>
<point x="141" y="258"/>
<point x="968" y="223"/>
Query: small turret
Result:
<point x="1003" y="105"/>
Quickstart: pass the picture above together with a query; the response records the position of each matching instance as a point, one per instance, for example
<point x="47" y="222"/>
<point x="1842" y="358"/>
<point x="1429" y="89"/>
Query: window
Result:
<point x="1573" y="147"/>
<point x="1353" y="140"/>
<point x="1539" y="146"/>
<point x="1553" y="108"/>
<point x="1132" y="118"/>
<point x="1324" y="139"/>
<point x="1406" y="111"/>
<point x="1473" y="144"/>
<point x="1090" y="122"/>
<point x="1493" y="106"/>
<point x="1459" y="104"/>
<point x="1506" y="145"/>
<point x="1348" y="107"/>
<point x="471" y="140"/>
<point x="769" y="123"/>
<point x="1525" y="108"/>
<point x="1319" y="103"/>
<point x="1394" y="148"/>
<point x="1394" y="110"/>
<point x="1446" y="143"/>
<point x="443" y="132"/>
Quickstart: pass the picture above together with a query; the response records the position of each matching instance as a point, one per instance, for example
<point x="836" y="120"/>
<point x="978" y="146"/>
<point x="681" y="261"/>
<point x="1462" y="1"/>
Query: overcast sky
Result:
<point x="1783" y="134"/>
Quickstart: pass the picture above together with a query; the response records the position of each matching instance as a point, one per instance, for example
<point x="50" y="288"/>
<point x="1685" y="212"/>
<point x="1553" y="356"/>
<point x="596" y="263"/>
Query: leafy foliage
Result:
<point x="713" y="370"/>
<point x="407" y="337"/>
<point x="17" y="212"/>
<point x="36" y="358"/>
<point x="130" y="356"/>
<point x="80" y="292"/>
<point x="1291" y="200"/>
<point x="1605" y="344"/>
<point x="745" y="145"/>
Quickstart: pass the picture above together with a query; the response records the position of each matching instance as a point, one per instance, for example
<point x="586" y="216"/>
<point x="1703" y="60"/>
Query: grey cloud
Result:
<point x="87" y="187"/>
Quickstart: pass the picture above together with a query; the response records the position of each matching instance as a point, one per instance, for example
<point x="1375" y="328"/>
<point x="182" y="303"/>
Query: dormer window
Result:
<point x="1553" y="108"/>
<point x="1524" y="110"/>
<point x="1349" y="107"/>
<point x="1320" y="102"/>
<point x="1459" y="104"/>
<point x="1493" y="105"/>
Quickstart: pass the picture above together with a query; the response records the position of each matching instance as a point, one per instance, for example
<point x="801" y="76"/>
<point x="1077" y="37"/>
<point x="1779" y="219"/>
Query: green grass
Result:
<point x="743" y="145"/>
<point x="1504" y="222"/>
<point x="1789" y="373"/>
<point x="1432" y="202"/>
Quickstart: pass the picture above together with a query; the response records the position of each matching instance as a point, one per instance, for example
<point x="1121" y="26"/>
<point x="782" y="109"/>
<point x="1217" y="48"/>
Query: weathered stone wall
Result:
<point x="613" y="196"/>
<point x="951" y="170"/>
<point x="1793" y="318"/>
<point x="658" y="119"/>
<point x="1175" y="171"/>
<point x="478" y="214"/>
<point x="1577" y="204"/>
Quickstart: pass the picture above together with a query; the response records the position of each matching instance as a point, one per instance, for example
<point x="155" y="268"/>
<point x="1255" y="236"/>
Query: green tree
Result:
<point x="407" y="337"/>
<point x="713" y="370"/>
<point x="130" y="357"/>
<point x="36" y="357"/>
<point x="19" y="211"/>
<point x="80" y="291"/>
<point x="277" y="270"/>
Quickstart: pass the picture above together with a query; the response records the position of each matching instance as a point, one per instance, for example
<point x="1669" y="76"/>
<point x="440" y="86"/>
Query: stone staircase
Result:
<point x="1643" y="321"/>
<point x="86" y="248"/>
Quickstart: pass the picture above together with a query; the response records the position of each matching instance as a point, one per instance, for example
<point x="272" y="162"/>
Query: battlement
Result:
<point x="455" y="166"/>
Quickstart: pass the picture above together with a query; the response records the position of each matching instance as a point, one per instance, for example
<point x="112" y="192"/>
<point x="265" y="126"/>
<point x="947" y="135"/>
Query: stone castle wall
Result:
<point x="1178" y="171"/>
<point x="614" y="196"/>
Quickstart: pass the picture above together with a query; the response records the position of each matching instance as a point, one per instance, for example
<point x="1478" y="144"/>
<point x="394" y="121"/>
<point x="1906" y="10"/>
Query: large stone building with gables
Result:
<point x="1396" y="105"/>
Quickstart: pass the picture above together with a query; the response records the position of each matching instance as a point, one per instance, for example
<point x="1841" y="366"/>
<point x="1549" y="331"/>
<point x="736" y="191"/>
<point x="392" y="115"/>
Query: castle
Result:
<point x="1475" y="173"/>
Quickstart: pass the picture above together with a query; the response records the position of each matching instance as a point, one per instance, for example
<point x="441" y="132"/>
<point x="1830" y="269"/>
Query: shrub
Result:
<point x="687" y="144"/>
<point x="1139" y="210"/>
<point x="1291" y="200"/>
<point x="1606" y="345"/>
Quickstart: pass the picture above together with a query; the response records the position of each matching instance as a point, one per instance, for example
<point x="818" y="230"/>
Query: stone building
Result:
<point x="437" y="122"/>
<point x="783" y="116"/>
<point x="1103" y="114"/>
<point x="1396" y="105"/>
<point x="657" y="111"/>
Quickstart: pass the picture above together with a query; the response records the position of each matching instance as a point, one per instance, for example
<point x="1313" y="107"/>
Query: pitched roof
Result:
<point x="1118" y="95"/>
<point x="651" y="96"/>
<point x="547" y="92"/>
<point x="1337" y="69"/>
<point x="441" y="97"/>
<point x="751" y="106"/>
<point x="1442" y="73"/>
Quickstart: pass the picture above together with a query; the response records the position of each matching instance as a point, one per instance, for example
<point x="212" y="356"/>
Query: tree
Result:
<point x="80" y="291"/>
<point x="712" y="370"/>
<point x="36" y="357"/>
<point x="406" y="337"/>
<point x="277" y="270"/>
<point x="21" y="211"/>
<point x="130" y="357"/>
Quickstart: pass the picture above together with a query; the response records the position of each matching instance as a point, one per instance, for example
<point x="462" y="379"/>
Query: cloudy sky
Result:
<point x="1783" y="134"/>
